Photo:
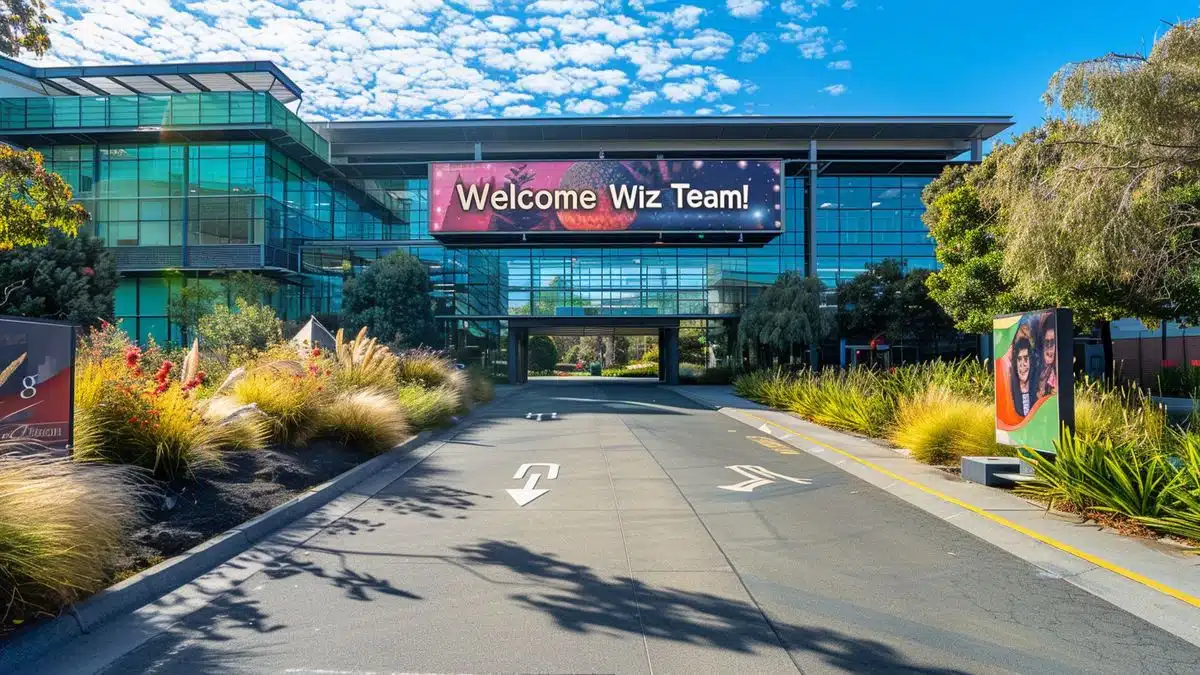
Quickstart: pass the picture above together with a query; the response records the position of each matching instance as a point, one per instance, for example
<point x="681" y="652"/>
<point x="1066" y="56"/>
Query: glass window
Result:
<point x="855" y="193"/>
<point x="125" y="299"/>
<point x="154" y="111"/>
<point x="155" y="234"/>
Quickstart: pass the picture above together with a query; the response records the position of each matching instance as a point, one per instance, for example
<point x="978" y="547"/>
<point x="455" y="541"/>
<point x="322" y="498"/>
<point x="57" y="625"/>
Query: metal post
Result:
<point x="810" y="213"/>
<point x="976" y="149"/>
<point x="478" y="151"/>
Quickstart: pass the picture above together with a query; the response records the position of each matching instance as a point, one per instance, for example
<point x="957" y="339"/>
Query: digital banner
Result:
<point x="606" y="196"/>
<point x="37" y="361"/>
<point x="1035" y="387"/>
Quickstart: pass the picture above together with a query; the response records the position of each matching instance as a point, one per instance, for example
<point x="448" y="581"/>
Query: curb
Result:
<point x="154" y="583"/>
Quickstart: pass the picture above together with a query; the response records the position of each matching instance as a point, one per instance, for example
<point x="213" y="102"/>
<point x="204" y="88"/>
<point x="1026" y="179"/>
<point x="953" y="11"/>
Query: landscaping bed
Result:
<point x="187" y="513"/>
<point x="174" y="447"/>
<point x="1125" y="464"/>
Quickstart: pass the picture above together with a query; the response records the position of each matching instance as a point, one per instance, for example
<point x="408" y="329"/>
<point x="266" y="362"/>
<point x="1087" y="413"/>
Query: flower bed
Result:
<point x="174" y="447"/>
<point x="1124" y="458"/>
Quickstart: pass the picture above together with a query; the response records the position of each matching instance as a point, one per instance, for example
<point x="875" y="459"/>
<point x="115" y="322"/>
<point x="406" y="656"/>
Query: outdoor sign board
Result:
<point x="1035" y="388"/>
<point x="37" y="365"/>
<point x="606" y="196"/>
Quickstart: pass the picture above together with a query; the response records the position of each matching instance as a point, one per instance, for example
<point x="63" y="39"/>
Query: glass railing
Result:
<point x="158" y="112"/>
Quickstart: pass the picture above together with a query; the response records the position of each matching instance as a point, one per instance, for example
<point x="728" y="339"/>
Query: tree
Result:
<point x="786" y="314"/>
<point x="884" y="300"/>
<point x="23" y="27"/>
<point x="72" y="278"/>
<point x="33" y="201"/>
<point x="249" y="286"/>
<point x="193" y="302"/>
<point x="252" y="327"/>
<point x="392" y="299"/>
<point x="969" y="284"/>
<point x="543" y="355"/>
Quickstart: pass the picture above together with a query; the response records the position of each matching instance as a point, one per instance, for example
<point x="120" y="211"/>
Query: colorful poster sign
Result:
<point x="1035" y="388"/>
<point x="37" y="363"/>
<point x="606" y="196"/>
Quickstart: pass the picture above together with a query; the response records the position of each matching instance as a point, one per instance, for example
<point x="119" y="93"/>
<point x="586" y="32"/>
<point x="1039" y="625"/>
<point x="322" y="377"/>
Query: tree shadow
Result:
<point x="579" y="600"/>
<point x="423" y="492"/>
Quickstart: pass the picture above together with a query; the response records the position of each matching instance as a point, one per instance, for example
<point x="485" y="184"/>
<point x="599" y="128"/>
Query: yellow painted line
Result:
<point x="775" y="445"/>
<point x="1050" y="541"/>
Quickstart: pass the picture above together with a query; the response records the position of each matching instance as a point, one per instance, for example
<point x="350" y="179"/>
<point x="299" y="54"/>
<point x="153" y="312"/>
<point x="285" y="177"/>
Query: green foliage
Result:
<point x="71" y="278"/>
<point x="62" y="528"/>
<point x="250" y="329"/>
<point x="392" y="299"/>
<point x="248" y="286"/>
<point x="632" y="370"/>
<point x="191" y="303"/>
<point x="543" y="355"/>
<point x="427" y="408"/>
<point x="1179" y="381"/>
<point x="939" y="427"/>
<point x="884" y="300"/>
<point x="786" y="313"/>
<point x="289" y="393"/>
<point x="483" y="389"/>
<point x="33" y="201"/>
<point x="24" y="28"/>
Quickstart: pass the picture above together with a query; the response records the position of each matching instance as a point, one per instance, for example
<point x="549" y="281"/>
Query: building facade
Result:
<point x="192" y="171"/>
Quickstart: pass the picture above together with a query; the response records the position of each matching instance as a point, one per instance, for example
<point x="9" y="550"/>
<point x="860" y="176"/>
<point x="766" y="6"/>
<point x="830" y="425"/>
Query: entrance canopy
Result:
<point x="667" y="330"/>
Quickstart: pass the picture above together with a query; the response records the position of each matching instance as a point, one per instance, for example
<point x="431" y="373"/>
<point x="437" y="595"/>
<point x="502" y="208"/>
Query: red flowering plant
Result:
<point x="127" y="413"/>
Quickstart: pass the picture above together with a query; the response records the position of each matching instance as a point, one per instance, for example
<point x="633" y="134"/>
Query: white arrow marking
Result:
<point x="527" y="494"/>
<point x="551" y="474"/>
<point x="758" y="477"/>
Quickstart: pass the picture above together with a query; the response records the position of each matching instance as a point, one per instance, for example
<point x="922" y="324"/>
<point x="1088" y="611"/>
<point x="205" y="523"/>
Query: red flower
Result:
<point x="133" y="420"/>
<point x="133" y="355"/>
<point x="316" y="351"/>
<point x="164" y="371"/>
<point x="88" y="272"/>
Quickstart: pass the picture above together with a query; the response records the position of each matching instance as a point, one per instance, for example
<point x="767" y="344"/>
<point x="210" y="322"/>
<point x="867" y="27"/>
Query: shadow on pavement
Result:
<point x="581" y="601"/>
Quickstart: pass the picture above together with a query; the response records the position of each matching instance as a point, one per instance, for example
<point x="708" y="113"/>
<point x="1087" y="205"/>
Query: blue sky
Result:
<point x="493" y="58"/>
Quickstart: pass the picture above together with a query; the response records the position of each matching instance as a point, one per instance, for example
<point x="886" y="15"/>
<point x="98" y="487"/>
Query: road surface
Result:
<point x="646" y="553"/>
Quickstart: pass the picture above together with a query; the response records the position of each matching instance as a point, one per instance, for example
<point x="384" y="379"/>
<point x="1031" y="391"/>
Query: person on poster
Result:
<point x="1047" y="346"/>
<point x="1023" y="382"/>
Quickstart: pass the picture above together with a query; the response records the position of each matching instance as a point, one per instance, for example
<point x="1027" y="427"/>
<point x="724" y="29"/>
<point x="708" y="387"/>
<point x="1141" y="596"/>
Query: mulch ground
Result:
<point x="252" y="483"/>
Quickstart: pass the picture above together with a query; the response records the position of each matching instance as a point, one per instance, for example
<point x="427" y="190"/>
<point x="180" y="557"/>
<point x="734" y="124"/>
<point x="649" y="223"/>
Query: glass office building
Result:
<point x="192" y="171"/>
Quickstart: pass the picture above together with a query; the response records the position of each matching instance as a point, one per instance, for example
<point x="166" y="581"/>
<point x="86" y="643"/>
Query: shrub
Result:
<point x="369" y="420"/>
<point x="431" y="370"/>
<point x="62" y="527"/>
<point x="427" y="408"/>
<point x="939" y="427"/>
<point x="363" y="363"/>
<point x="125" y="416"/>
<point x="391" y="298"/>
<point x="249" y="330"/>
<point x="290" y="395"/>
<point x="543" y="355"/>
<point x="632" y="370"/>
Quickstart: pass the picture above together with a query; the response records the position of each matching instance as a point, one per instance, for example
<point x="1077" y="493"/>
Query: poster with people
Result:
<point x="1034" y="382"/>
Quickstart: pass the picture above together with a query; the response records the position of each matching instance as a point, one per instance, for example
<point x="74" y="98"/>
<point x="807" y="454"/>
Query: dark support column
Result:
<point x="672" y="358"/>
<point x="662" y="355"/>
<point x="514" y="366"/>
<point x="523" y="341"/>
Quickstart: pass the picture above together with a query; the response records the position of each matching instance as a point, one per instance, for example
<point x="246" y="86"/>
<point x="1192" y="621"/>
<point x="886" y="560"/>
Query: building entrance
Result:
<point x="666" y="329"/>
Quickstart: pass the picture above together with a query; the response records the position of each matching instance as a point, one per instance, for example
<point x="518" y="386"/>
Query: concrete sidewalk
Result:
<point x="1158" y="582"/>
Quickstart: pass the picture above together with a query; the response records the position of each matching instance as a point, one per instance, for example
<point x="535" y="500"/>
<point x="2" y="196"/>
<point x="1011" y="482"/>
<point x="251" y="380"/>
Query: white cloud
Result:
<point x="683" y="16"/>
<point x="588" y="106"/>
<point x="797" y="9"/>
<point x="639" y="100"/>
<point x="834" y="89"/>
<point x="745" y="9"/>
<point x="840" y="65"/>
<point x="752" y="47"/>
<point x="573" y="7"/>
<point x="520" y="111"/>
<point x="704" y="111"/>
<point x="706" y="44"/>
<point x="810" y="40"/>
<point x="849" y="4"/>
<point x="726" y="108"/>
<point x="381" y="59"/>
<point x="679" y="92"/>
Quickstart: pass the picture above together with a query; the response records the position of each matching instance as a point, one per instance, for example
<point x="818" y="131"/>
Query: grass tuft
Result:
<point x="62" y="528"/>
<point x="368" y="420"/>
<point x="427" y="408"/>
<point x="939" y="427"/>
<point x="289" y="397"/>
